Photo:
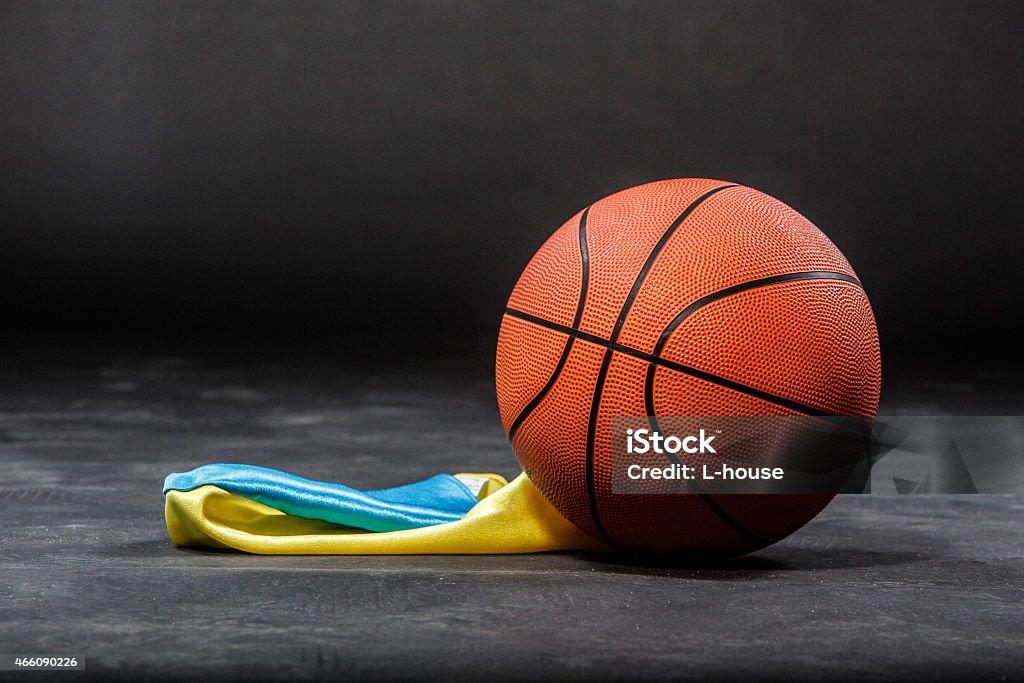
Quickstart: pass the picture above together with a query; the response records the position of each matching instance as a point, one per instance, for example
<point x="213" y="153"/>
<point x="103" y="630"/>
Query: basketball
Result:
<point x="679" y="297"/>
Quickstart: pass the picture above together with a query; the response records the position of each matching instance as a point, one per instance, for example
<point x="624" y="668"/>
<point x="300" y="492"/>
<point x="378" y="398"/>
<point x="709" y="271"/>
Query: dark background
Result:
<point x="374" y="175"/>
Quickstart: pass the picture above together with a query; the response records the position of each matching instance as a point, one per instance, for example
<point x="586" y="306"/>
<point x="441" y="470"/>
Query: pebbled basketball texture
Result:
<point x="678" y="297"/>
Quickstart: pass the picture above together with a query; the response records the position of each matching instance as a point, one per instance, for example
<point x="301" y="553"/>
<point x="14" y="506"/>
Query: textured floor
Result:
<point x="875" y="587"/>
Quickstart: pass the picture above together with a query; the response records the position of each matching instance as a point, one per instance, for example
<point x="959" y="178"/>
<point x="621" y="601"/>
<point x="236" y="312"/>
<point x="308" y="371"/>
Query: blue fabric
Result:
<point x="437" y="500"/>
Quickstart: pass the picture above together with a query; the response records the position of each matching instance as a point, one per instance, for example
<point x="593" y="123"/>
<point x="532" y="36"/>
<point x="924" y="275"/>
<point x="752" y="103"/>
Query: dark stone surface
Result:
<point x="875" y="587"/>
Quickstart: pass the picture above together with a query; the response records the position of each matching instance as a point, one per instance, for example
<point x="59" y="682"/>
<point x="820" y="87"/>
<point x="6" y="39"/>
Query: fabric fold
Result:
<point x="512" y="519"/>
<point x="437" y="500"/>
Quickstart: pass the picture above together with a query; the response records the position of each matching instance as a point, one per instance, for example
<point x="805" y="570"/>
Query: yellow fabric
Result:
<point x="515" y="518"/>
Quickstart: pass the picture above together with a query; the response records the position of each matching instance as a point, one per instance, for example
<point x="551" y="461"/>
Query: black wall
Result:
<point x="378" y="173"/>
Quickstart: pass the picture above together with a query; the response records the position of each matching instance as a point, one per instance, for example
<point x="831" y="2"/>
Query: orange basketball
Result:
<point x="679" y="297"/>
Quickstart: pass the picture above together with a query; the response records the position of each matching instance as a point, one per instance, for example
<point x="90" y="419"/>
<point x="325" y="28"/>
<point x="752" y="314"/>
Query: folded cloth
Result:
<point x="509" y="519"/>
<point x="439" y="499"/>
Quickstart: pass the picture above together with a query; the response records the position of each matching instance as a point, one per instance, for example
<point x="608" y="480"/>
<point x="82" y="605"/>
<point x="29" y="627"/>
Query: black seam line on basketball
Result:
<point x="663" y="362"/>
<point x="742" y="287"/>
<point x="585" y="262"/>
<point x="595" y="404"/>
<point x="591" y="436"/>
<point x="659" y="347"/>
<point x="671" y="327"/>
<point x="692" y="484"/>
<point x="652" y="257"/>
